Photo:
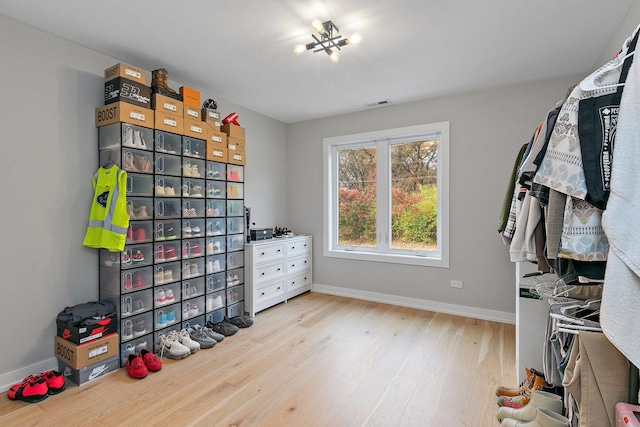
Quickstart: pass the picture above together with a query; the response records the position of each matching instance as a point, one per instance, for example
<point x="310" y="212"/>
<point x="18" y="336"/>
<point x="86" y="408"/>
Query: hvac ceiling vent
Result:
<point x="383" y="103"/>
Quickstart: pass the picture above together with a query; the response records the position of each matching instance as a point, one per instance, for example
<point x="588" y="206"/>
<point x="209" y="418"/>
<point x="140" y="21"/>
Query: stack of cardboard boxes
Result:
<point x="235" y="143"/>
<point x="86" y="353"/>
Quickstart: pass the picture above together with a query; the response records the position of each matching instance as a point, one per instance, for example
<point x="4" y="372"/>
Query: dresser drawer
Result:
<point x="268" y="272"/>
<point x="270" y="252"/>
<point x="299" y="247"/>
<point x="299" y="281"/>
<point x="298" y="264"/>
<point x="272" y="291"/>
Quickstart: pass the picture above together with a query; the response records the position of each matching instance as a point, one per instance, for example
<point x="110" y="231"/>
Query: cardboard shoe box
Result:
<point x="195" y="129"/>
<point x="167" y="105"/>
<point x="169" y="123"/>
<point x="236" y="158"/>
<point x="89" y="373"/>
<point x="216" y="137"/>
<point x="78" y="356"/>
<point x="124" y="112"/>
<point x="125" y="90"/>
<point x="217" y="153"/>
<point x="233" y="131"/>
<point x="235" y="144"/>
<point x="212" y="117"/>
<point x="126" y="71"/>
<point x="190" y="96"/>
<point x="83" y="334"/>
<point x="192" y="113"/>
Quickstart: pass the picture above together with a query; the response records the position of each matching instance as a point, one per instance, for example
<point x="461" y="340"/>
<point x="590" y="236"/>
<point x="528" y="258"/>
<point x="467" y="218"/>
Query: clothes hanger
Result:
<point x="108" y="164"/>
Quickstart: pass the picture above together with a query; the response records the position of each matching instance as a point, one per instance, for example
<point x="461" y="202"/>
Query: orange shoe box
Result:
<point x="190" y="96"/>
<point x="126" y="113"/>
<point x="169" y="123"/>
<point x="196" y="128"/>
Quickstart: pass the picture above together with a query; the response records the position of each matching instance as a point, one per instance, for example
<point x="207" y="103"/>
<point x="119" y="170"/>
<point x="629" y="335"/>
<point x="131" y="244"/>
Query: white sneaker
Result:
<point x="186" y="340"/>
<point x="128" y="136"/>
<point x="171" y="347"/>
<point x="138" y="141"/>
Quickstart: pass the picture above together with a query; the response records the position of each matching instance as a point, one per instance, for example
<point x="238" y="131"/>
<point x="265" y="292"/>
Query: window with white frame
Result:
<point x="387" y="195"/>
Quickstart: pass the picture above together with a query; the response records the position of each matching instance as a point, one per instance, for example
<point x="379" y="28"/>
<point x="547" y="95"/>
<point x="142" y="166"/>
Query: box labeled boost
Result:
<point x="233" y="131"/>
<point x="169" y="123"/>
<point x="125" y="90"/>
<point x="124" y="112"/>
<point x="89" y="373"/>
<point x="78" y="356"/>
<point x="126" y="71"/>
<point x="80" y="334"/>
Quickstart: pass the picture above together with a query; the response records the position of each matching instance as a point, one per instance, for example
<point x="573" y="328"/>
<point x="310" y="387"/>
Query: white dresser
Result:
<point x="276" y="270"/>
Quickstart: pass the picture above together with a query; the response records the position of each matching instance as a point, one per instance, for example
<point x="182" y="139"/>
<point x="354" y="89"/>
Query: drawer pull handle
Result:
<point x="278" y="250"/>
<point x="305" y="262"/>
<point x="278" y="287"/>
<point x="293" y="247"/>
<point x="262" y="274"/>
<point x="293" y="265"/>
<point x="293" y="283"/>
<point x="278" y="269"/>
<point x="262" y="294"/>
<point x="262" y="254"/>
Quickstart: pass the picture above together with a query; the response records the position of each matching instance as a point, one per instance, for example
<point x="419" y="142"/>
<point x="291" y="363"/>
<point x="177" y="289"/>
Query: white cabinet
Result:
<point x="276" y="270"/>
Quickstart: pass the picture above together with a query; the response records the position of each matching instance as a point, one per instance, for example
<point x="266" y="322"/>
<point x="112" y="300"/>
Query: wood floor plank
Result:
<point x="317" y="360"/>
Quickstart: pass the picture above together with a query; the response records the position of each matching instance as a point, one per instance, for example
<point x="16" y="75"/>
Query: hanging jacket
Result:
<point x="108" y="219"/>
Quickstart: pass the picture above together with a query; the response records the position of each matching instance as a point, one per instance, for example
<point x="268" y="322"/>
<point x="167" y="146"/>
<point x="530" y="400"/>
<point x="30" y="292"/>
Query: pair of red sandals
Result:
<point x="139" y="365"/>
<point x="36" y="388"/>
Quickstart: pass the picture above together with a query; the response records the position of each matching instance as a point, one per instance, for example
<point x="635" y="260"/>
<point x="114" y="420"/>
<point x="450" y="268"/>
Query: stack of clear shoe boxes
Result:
<point x="183" y="262"/>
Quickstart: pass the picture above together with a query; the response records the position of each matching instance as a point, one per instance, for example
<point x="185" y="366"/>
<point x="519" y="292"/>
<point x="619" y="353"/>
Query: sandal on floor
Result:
<point x="240" y="321"/>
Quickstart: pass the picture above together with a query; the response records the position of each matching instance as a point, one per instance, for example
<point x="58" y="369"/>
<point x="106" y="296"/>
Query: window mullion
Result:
<point x="383" y="191"/>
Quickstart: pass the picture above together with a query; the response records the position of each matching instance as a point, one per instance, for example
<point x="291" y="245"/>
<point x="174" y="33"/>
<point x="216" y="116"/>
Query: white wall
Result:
<point x="626" y="28"/>
<point x="50" y="90"/>
<point x="487" y="130"/>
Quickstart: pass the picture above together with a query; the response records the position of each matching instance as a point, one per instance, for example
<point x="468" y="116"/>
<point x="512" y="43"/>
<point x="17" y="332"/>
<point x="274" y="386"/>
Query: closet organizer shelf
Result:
<point x="174" y="271"/>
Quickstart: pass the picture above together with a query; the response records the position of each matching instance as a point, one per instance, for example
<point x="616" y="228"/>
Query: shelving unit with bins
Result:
<point x="183" y="259"/>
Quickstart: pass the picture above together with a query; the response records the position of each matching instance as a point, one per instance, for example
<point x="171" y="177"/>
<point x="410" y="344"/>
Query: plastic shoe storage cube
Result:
<point x="167" y="164"/>
<point x="193" y="308"/>
<point x="133" y="160"/>
<point x="167" y="186"/>
<point x="193" y="188"/>
<point x="216" y="190"/>
<point x="166" y="231"/>
<point x="193" y="208"/>
<point x="168" y="208"/>
<point x="136" y="303"/>
<point x="166" y="273"/>
<point x="216" y="316"/>
<point x="139" y="232"/>
<point x="192" y="228"/>
<point x="235" y="225"/>
<point x="165" y="142"/>
<point x="235" y="173"/>
<point x="215" y="245"/>
<point x="164" y="295"/>
<point x="136" y="326"/>
<point x="215" y="208"/>
<point x="235" y="310"/>
<point x="125" y="135"/>
<point x="235" y="191"/>
<point x="125" y="259"/>
<point x="235" y="242"/>
<point x="192" y="268"/>
<point x="193" y="168"/>
<point x="134" y="347"/>
<point x="235" y="294"/>
<point x="166" y="316"/>
<point x="215" y="282"/>
<point x="192" y="248"/>
<point x="235" y="208"/>
<point x="215" y="264"/>
<point x="235" y="260"/>
<point x="167" y="251"/>
<point x="216" y="170"/>
<point x="140" y="207"/>
<point x="135" y="279"/>
<point x="235" y="277"/>
<point x="215" y="301"/>
<point x="193" y="288"/>
<point x="215" y="227"/>
<point x="139" y="185"/>
<point x="192" y="147"/>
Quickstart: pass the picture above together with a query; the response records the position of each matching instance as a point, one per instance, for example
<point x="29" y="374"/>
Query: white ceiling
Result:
<point x="242" y="50"/>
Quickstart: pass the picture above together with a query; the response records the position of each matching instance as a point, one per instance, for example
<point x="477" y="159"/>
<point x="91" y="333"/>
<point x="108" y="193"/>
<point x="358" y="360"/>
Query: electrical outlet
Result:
<point x="456" y="284"/>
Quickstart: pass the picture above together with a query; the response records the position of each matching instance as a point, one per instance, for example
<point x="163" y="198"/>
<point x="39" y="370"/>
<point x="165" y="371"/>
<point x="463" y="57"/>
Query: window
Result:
<point x="387" y="195"/>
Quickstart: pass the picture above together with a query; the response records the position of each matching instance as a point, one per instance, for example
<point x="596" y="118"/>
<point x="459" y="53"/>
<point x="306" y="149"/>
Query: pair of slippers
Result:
<point x="240" y="321"/>
<point x="229" y="327"/>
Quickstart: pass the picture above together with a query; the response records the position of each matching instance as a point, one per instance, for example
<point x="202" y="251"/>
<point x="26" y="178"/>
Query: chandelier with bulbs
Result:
<point x="328" y="40"/>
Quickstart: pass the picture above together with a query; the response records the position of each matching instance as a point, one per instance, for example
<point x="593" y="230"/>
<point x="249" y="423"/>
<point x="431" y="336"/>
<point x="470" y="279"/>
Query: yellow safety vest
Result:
<point x="108" y="219"/>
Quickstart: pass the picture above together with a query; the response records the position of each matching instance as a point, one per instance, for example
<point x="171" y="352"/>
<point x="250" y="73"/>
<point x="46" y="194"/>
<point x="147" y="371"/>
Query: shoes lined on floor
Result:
<point x="36" y="388"/>
<point x="224" y="328"/>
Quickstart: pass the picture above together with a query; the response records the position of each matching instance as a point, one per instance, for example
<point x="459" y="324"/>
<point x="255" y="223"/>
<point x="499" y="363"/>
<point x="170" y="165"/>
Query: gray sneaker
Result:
<point x="201" y="337"/>
<point x="216" y="336"/>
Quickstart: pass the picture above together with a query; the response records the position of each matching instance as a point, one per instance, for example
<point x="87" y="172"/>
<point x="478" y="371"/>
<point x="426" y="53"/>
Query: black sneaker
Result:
<point x="170" y="233"/>
<point x="224" y="328"/>
<point x="240" y="321"/>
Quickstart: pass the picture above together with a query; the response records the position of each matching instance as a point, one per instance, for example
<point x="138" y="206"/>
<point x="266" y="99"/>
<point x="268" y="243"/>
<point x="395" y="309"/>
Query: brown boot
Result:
<point x="159" y="79"/>
<point x="506" y="391"/>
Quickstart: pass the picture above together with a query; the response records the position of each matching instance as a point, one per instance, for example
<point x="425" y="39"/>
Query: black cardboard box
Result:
<point x="83" y="334"/>
<point x="125" y="90"/>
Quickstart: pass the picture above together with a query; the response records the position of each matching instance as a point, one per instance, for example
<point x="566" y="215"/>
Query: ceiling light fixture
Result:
<point x="329" y="40"/>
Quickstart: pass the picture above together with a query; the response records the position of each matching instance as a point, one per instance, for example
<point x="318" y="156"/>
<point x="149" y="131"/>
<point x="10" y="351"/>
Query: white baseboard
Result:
<point x="439" y="307"/>
<point x="14" y="377"/>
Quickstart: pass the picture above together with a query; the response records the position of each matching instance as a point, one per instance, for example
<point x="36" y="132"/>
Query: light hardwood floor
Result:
<point x="317" y="360"/>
